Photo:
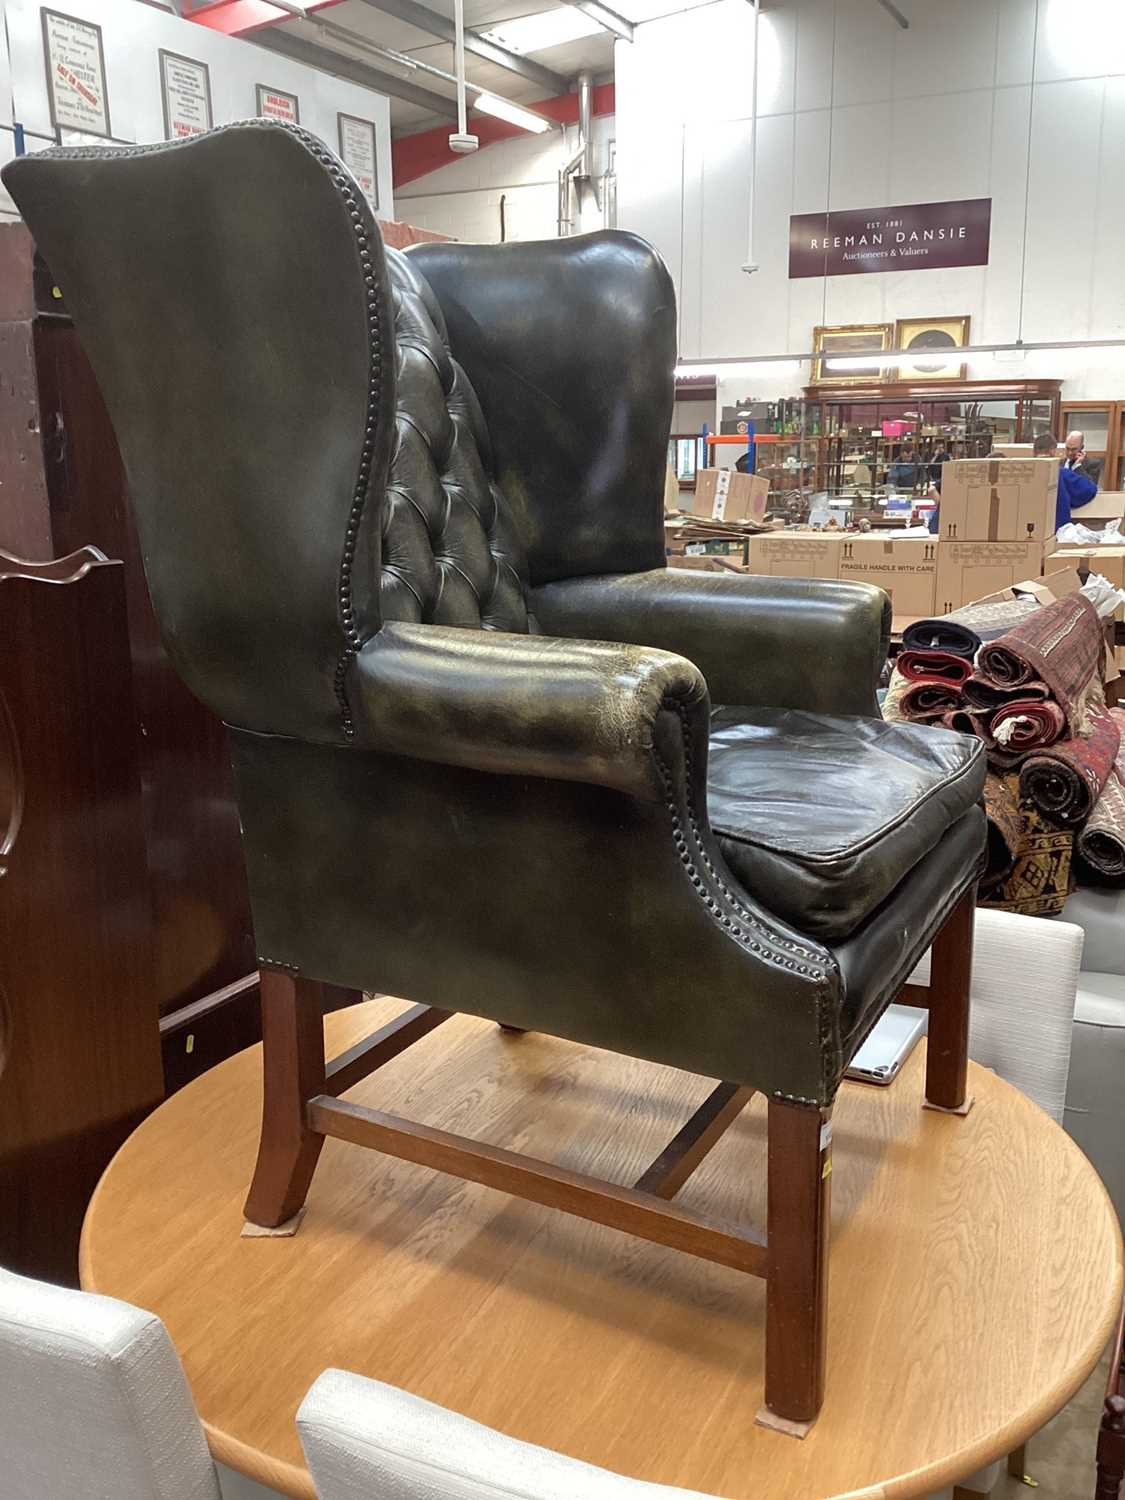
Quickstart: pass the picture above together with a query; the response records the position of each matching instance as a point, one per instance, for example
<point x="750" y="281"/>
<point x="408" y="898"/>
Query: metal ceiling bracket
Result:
<point x="429" y="21"/>
<point x="608" y="19"/>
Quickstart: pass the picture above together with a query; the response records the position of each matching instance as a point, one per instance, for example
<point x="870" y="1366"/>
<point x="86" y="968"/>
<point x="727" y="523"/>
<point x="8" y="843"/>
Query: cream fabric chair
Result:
<point x="94" y="1404"/>
<point x="1024" y="987"/>
<point x="368" y="1441"/>
<point x="1024" y="990"/>
<point x="1095" y="1106"/>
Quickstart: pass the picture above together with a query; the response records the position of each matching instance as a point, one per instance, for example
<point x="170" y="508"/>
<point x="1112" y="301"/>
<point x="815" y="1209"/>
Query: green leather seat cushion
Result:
<point x="821" y="817"/>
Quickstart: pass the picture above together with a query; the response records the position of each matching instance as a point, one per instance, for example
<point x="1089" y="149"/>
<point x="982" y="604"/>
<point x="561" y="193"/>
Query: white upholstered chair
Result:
<point x="1024" y="988"/>
<point x="368" y="1441"/>
<point x="1095" y="1105"/>
<point x="94" y="1404"/>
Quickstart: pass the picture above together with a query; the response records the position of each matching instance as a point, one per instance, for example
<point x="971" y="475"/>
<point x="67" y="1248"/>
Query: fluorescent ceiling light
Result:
<point x="739" y="368"/>
<point x="857" y="362"/>
<point x="548" y="29"/>
<point x="504" y="109"/>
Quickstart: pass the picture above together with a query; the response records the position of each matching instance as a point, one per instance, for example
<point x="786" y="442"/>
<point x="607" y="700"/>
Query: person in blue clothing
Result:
<point x="1075" y="488"/>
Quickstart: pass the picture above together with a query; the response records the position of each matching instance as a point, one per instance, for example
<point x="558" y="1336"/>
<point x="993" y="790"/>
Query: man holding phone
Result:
<point x="1076" y="460"/>
<point x="1075" y="487"/>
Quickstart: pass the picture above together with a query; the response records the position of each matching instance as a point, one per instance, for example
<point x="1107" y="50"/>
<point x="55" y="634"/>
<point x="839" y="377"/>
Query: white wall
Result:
<point x="462" y="199"/>
<point x="132" y="34"/>
<point x="854" y="112"/>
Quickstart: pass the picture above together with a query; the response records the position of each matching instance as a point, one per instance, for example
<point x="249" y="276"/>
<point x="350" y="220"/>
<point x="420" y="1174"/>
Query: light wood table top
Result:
<point x="975" y="1272"/>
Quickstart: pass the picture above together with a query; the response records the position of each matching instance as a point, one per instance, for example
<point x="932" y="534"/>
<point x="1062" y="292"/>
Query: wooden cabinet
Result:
<point x="62" y="487"/>
<point x="80" y="1056"/>
<point x="862" y="430"/>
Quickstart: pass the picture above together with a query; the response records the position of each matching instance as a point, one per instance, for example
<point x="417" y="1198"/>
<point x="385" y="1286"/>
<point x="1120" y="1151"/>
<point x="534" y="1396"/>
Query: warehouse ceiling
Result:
<point x="522" y="28"/>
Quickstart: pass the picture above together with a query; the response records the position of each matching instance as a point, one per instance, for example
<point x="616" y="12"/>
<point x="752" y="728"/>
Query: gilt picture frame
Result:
<point x="937" y="336"/>
<point x="849" y="340"/>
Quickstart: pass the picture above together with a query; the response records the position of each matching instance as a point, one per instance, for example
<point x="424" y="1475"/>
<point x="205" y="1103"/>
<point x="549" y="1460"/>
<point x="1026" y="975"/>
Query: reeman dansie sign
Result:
<point x="912" y="237"/>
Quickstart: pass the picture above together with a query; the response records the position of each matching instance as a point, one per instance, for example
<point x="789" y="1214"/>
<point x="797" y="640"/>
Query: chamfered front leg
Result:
<point x="293" y="1072"/>
<point x="798" y="1203"/>
<point x="947" y="1050"/>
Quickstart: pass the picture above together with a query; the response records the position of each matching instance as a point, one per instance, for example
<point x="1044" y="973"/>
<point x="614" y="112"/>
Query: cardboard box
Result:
<point x="671" y="490"/>
<point x="727" y="495"/>
<point x="795" y="554"/>
<point x="969" y="571"/>
<point x="1107" y="505"/>
<point x="999" y="500"/>
<point x="1108" y="561"/>
<point x="1023" y="450"/>
<point x="707" y="563"/>
<point x="905" y="568"/>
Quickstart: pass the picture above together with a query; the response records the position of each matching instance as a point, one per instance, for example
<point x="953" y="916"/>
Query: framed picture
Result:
<point x="185" y="88"/>
<point x="937" y="336"/>
<point x="276" y="104"/>
<point x="849" y="343"/>
<point x="357" y="151"/>
<point x="75" y="74"/>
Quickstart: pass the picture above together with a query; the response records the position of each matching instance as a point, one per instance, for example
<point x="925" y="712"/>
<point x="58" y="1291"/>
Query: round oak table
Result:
<point x="975" y="1272"/>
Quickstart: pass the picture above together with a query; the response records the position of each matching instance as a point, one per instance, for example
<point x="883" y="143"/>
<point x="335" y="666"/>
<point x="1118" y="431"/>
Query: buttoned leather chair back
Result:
<point x="451" y="552"/>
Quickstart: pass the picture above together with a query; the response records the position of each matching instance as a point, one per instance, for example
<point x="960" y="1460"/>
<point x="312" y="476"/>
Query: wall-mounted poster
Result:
<point x="938" y="337"/>
<point x="185" y="86"/>
<point x="357" y="151"/>
<point x="276" y="104"/>
<point x="75" y="74"/>
<point x="846" y="355"/>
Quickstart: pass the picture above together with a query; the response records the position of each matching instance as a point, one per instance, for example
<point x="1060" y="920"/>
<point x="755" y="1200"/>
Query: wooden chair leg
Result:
<point x="951" y="963"/>
<point x="798" y="1200"/>
<point x="293" y="1072"/>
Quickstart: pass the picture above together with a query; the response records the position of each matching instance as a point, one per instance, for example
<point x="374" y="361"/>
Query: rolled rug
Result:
<point x="982" y="696"/>
<point x="944" y="666"/>
<point x="918" y="702"/>
<point x="945" y="636"/>
<point x="1005" y="827"/>
<point x="1064" y="781"/>
<point x="1060" y="645"/>
<point x="1027" y="724"/>
<point x="922" y="702"/>
<point x="1101" y="844"/>
<point x="988" y="621"/>
<point x="1038" y="882"/>
<point x="964" y="721"/>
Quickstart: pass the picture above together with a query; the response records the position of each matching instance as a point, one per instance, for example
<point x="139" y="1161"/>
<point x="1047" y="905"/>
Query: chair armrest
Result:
<point x="760" y="642"/>
<point x="526" y="705"/>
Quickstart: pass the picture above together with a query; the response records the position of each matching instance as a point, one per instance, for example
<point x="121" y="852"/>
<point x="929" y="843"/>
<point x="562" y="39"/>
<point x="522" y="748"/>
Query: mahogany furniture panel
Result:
<point x="79" y="1042"/>
<point x="62" y="486"/>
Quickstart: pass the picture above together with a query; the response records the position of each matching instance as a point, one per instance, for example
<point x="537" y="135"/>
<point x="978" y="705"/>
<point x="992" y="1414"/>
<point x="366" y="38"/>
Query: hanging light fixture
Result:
<point x="460" y="140"/>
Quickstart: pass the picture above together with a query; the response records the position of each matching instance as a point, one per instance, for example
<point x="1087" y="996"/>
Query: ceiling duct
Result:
<point x="578" y="189"/>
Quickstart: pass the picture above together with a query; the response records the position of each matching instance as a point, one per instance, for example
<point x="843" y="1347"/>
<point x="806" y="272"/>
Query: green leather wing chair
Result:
<point x="402" y="523"/>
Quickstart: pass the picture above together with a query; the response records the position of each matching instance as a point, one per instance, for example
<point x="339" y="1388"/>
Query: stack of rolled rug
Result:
<point x="1032" y="691"/>
<point x="1100" y="847"/>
